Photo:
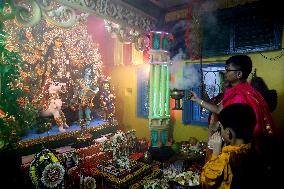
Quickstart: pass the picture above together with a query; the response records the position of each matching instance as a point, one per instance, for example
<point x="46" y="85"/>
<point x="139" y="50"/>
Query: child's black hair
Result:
<point x="241" y="118"/>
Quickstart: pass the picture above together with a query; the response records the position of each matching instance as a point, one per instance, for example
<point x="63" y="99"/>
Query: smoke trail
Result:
<point x="185" y="76"/>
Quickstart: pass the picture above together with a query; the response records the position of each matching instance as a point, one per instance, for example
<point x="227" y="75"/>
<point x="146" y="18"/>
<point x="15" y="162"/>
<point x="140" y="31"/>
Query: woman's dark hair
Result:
<point x="243" y="62"/>
<point x="270" y="96"/>
<point x="241" y="118"/>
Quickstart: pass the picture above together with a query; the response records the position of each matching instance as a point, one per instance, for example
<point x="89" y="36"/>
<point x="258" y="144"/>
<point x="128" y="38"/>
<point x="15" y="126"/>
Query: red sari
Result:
<point x="245" y="93"/>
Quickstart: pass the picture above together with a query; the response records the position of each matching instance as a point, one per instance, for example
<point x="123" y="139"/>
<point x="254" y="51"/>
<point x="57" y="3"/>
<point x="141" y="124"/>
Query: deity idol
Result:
<point x="58" y="67"/>
<point x="87" y="90"/>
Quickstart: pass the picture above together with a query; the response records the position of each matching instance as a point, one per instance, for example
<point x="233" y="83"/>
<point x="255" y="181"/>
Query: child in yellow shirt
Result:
<point x="232" y="164"/>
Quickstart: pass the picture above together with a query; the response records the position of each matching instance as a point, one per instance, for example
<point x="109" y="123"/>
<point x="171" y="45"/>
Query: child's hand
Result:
<point x="216" y="143"/>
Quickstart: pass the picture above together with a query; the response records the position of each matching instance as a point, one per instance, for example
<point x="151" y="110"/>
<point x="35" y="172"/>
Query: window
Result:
<point x="242" y="29"/>
<point x="213" y="77"/>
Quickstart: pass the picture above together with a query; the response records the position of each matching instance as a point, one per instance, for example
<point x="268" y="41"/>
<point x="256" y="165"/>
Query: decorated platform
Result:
<point x="54" y="134"/>
<point x="133" y="178"/>
<point x="32" y="142"/>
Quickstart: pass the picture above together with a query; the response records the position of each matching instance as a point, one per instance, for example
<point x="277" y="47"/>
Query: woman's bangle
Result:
<point x="201" y="103"/>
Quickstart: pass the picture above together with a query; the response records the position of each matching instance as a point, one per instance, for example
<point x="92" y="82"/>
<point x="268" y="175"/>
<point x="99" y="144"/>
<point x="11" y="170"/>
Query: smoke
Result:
<point x="185" y="76"/>
<point x="209" y="6"/>
<point x="180" y="25"/>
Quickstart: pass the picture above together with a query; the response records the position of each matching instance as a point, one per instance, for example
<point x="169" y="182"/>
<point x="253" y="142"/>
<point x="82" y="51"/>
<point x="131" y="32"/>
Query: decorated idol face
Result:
<point x="58" y="42"/>
<point x="88" y="73"/>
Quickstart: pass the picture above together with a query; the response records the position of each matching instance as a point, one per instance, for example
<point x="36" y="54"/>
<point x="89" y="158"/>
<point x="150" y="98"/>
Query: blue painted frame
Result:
<point x="142" y="94"/>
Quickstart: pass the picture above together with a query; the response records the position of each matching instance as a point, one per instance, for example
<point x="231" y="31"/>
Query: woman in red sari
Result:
<point x="237" y="69"/>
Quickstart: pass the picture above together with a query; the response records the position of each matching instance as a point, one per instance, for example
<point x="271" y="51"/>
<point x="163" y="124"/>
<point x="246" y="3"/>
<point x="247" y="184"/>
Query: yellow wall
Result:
<point x="124" y="81"/>
<point x="272" y="72"/>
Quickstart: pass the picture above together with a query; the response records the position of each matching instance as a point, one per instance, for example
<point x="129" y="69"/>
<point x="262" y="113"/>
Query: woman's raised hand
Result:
<point x="193" y="96"/>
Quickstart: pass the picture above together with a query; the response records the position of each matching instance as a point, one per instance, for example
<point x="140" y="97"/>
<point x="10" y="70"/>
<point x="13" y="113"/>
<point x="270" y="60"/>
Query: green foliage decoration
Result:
<point x="17" y="113"/>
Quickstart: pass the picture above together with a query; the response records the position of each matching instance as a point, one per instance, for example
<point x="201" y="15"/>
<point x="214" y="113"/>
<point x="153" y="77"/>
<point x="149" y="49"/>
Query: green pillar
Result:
<point x="159" y="97"/>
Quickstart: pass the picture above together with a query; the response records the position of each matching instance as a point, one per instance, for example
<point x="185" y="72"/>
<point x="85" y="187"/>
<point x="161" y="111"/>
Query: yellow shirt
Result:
<point x="218" y="170"/>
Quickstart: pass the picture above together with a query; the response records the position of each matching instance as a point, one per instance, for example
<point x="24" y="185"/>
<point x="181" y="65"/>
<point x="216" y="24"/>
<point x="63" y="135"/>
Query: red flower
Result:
<point x="24" y="74"/>
<point x="21" y="101"/>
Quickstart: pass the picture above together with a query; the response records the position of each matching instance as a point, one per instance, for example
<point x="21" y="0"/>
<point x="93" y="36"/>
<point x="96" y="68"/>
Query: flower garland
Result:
<point x="197" y="150"/>
<point x="52" y="175"/>
<point x="170" y="173"/>
<point x="87" y="182"/>
<point x="106" y="146"/>
<point x="188" y="178"/>
<point x="120" y="150"/>
<point x="45" y="170"/>
<point x="157" y="183"/>
<point x="69" y="159"/>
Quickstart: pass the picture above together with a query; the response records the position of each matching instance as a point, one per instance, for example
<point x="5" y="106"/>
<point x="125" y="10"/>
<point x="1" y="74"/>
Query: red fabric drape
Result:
<point x="127" y="54"/>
